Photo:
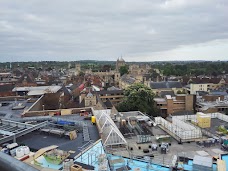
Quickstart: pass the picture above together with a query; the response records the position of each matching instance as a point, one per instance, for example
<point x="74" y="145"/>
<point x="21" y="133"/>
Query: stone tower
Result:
<point x="120" y="62"/>
<point x="77" y="68"/>
<point x="90" y="100"/>
<point x="69" y="65"/>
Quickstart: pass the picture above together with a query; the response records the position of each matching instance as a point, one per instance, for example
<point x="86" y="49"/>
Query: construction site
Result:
<point x="104" y="140"/>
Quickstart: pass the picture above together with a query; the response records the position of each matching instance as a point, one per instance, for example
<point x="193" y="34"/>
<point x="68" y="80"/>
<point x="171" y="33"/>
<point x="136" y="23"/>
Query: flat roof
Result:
<point x="39" y="90"/>
<point x="159" y="99"/>
<point x="213" y="104"/>
<point x="7" y="112"/>
<point x="168" y="97"/>
<point x="37" y="139"/>
<point x="11" y="129"/>
<point x="36" y="93"/>
<point x="5" y="73"/>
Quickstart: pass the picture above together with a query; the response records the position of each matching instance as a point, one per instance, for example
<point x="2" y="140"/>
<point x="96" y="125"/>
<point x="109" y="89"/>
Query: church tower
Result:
<point x="120" y="62"/>
<point x="77" y="68"/>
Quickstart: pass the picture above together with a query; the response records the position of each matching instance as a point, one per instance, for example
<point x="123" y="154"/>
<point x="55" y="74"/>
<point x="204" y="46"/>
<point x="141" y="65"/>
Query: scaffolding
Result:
<point x="110" y="134"/>
<point x="180" y="128"/>
<point x="212" y="115"/>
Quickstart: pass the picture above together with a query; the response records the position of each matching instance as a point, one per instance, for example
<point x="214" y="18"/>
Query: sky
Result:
<point x="139" y="30"/>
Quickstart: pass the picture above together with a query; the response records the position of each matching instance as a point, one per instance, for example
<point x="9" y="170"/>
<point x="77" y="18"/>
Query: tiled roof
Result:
<point x="205" y="80"/>
<point x="26" y="77"/>
<point x="108" y="103"/>
<point x="200" y="80"/>
<point x="100" y="101"/>
<point x="128" y="79"/>
<point x="74" y="86"/>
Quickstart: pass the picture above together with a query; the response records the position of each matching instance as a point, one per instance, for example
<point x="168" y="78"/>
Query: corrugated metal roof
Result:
<point x="35" y="92"/>
<point x="40" y="90"/>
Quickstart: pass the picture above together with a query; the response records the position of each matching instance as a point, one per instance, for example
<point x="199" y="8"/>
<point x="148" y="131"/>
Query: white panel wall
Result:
<point x="180" y="128"/>
<point x="184" y="129"/>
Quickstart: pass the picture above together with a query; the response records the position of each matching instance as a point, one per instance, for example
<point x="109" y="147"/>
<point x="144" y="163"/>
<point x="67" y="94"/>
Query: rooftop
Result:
<point x="10" y="130"/>
<point x="37" y="139"/>
<point x="206" y="105"/>
<point x="159" y="100"/>
<point x="164" y="93"/>
<point x="205" y="80"/>
<point x="165" y="84"/>
<point x="40" y="90"/>
<point x="6" y="108"/>
<point x="128" y="79"/>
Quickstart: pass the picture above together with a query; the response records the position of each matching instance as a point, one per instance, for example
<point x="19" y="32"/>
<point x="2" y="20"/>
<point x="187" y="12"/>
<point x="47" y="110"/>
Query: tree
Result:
<point x="106" y="68"/>
<point x="153" y="73"/>
<point x="180" y="92"/>
<point x="123" y="70"/>
<point x="81" y="74"/>
<point x="138" y="97"/>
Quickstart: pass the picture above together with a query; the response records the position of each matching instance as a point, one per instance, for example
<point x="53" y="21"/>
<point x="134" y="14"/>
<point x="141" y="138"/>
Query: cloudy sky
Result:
<point x="139" y="30"/>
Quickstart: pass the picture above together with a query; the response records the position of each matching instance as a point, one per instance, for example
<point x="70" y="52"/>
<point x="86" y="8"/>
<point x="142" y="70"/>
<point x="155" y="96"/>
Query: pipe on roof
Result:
<point x="8" y="163"/>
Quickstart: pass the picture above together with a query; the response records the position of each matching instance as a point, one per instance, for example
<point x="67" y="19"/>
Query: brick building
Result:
<point x="178" y="103"/>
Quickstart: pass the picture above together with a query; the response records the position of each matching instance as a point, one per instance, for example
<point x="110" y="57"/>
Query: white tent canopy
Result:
<point x="110" y="134"/>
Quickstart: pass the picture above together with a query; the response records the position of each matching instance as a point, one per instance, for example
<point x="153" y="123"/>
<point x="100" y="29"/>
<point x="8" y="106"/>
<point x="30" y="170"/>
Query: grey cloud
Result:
<point x="99" y="29"/>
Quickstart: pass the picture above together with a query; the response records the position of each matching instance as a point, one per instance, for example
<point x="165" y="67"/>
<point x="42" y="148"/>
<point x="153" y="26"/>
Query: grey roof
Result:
<point x="82" y="104"/>
<point x="215" y="92"/>
<point x="100" y="101"/>
<point x="165" y="84"/>
<point x="108" y="103"/>
<point x="42" y="89"/>
<point x="201" y="93"/>
<point x="74" y="86"/>
<point x="27" y="77"/>
<point x="113" y="88"/>
<point x="66" y="91"/>
<point x="128" y="79"/>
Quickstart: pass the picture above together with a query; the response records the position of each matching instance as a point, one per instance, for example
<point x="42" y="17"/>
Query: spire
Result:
<point x="121" y="58"/>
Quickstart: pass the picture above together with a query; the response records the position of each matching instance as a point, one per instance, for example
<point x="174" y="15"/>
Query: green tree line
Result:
<point x="194" y="68"/>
